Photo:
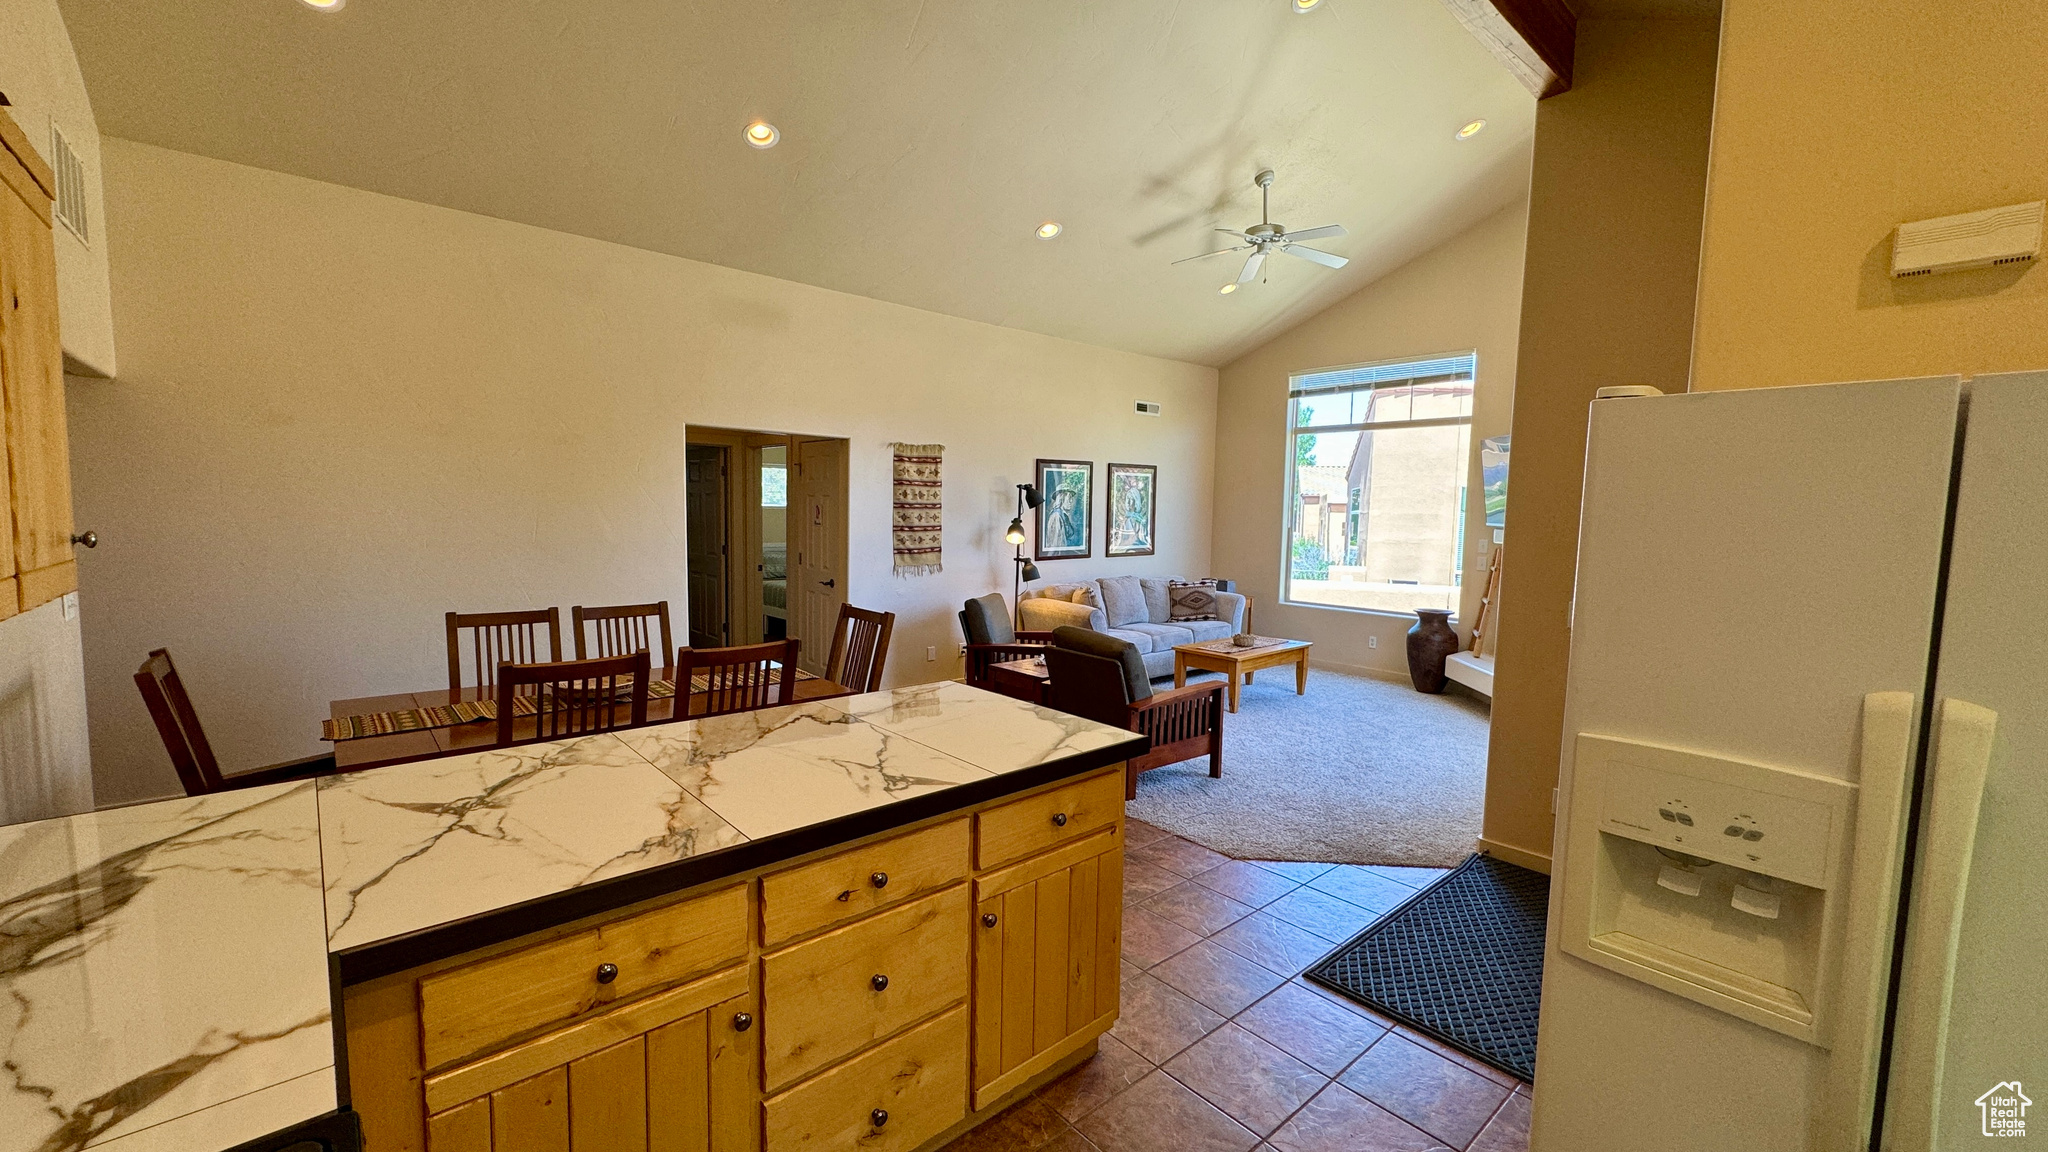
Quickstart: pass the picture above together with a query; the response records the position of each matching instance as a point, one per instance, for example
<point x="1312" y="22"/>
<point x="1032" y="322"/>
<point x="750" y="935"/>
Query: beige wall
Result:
<point x="1463" y="294"/>
<point x="1835" y="123"/>
<point x="1614" y="237"/>
<point x="39" y="73"/>
<point x="341" y="414"/>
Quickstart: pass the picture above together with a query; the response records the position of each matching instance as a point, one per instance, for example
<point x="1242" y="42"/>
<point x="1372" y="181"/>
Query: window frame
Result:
<point x="1291" y="508"/>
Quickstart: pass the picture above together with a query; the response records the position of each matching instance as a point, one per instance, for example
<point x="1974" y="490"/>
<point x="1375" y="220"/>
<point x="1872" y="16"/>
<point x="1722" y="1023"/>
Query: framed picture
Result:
<point x="1133" y="514"/>
<point x="1066" y="490"/>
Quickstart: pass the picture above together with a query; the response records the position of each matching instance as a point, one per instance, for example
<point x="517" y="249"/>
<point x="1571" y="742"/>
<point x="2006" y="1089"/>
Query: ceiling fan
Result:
<point x="1265" y="238"/>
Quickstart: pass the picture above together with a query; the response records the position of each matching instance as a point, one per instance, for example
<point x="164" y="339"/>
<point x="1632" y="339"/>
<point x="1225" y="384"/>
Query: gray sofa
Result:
<point x="1133" y="608"/>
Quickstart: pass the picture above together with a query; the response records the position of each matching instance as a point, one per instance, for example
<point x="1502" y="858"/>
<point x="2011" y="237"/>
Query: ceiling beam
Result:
<point x="1532" y="37"/>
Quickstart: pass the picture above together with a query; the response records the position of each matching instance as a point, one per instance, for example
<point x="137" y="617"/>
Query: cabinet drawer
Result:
<point x="916" y="1085"/>
<point x="1015" y="830"/>
<point x="826" y="998"/>
<point x="468" y="1010"/>
<point x="803" y="900"/>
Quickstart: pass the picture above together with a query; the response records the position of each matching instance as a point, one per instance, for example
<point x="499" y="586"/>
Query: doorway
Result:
<point x="767" y="526"/>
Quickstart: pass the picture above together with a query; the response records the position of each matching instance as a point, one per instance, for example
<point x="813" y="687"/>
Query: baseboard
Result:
<point x="1390" y="675"/>
<point x="1514" y="855"/>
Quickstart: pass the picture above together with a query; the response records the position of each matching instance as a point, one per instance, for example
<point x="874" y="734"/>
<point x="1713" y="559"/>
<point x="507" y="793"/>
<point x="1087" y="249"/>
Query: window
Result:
<point x="774" y="486"/>
<point x="1376" y="498"/>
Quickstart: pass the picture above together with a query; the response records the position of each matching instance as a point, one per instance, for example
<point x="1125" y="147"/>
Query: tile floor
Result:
<point x="1222" y="1047"/>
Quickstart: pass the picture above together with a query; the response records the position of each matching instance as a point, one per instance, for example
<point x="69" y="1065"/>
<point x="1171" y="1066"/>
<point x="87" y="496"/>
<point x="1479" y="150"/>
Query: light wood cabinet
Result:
<point x="1048" y="937"/>
<point x="766" y="1013"/>
<point x="36" y="559"/>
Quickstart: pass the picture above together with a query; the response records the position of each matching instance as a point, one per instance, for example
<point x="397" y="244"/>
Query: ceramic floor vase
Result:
<point x="1430" y="643"/>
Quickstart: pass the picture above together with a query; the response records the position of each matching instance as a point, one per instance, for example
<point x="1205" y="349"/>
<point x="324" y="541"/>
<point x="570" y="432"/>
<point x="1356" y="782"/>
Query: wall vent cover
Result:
<point x="1150" y="407"/>
<point x="1995" y="236"/>
<point x="70" y="185"/>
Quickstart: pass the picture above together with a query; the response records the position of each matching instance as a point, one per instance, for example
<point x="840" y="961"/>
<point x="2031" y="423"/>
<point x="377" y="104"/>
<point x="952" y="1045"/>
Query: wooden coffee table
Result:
<point x="1239" y="664"/>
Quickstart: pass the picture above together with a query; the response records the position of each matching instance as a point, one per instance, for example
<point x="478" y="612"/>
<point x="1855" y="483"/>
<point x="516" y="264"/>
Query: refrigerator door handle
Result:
<point x="1948" y="840"/>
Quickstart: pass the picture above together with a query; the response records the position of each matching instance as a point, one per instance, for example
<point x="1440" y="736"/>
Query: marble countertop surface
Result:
<point x="164" y="971"/>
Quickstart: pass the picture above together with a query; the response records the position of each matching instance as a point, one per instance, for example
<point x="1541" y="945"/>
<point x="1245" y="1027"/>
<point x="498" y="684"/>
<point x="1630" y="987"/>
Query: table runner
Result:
<point x="471" y="711"/>
<point x="1264" y="643"/>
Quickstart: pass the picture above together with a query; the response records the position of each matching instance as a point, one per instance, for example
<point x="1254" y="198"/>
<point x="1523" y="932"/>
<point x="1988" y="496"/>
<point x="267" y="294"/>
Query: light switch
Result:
<point x="70" y="606"/>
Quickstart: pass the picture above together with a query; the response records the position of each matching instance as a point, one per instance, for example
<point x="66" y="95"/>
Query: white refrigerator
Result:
<point x="1800" y="888"/>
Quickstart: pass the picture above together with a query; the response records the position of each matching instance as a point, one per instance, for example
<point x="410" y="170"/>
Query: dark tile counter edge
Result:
<point x="398" y="953"/>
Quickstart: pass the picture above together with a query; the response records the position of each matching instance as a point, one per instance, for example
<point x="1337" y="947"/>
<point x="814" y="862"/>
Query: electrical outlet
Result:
<point x="963" y="651"/>
<point x="1372" y="641"/>
<point x="931" y="653"/>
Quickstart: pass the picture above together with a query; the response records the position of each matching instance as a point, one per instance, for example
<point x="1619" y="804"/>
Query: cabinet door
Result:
<point x="1048" y="933"/>
<point x="685" y="1086"/>
<point x="32" y="392"/>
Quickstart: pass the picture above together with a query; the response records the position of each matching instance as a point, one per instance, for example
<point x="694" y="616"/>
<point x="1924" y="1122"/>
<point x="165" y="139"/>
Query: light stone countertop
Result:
<point x="164" y="968"/>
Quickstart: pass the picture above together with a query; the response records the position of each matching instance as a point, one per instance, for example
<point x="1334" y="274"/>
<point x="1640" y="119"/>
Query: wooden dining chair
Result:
<point x="176" y="721"/>
<point x="860" y="644"/>
<point x="499" y="638"/>
<point x="736" y="679"/>
<point x="621" y="629"/>
<point x="575" y="697"/>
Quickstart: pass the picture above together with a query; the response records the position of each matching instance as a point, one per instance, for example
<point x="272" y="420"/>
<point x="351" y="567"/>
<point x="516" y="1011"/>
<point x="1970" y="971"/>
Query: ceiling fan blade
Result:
<point x="1307" y="253"/>
<point x="1251" y="266"/>
<point x="1234" y="232"/>
<point x="1206" y="255"/>
<point x="1317" y="233"/>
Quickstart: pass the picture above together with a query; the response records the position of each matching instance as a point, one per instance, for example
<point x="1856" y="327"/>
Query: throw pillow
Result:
<point x="1158" y="599"/>
<point x="1194" y="599"/>
<point x="1123" y="599"/>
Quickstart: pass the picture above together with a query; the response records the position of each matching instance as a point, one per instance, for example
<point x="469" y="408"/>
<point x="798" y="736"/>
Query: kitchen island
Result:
<point x="863" y="923"/>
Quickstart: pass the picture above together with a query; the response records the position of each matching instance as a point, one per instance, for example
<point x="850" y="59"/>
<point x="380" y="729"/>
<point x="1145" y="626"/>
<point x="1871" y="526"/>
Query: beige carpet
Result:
<point x="1359" y="771"/>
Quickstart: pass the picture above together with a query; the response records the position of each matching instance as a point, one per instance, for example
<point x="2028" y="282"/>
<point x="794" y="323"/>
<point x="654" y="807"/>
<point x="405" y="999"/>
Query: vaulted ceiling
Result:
<point x="922" y="142"/>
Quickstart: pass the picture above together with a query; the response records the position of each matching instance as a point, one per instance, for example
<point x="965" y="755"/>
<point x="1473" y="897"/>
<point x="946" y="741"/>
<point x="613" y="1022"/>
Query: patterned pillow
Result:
<point x="1193" y="599"/>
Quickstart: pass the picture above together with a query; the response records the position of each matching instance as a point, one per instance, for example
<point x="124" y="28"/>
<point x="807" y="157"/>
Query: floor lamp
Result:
<point x="1027" y="495"/>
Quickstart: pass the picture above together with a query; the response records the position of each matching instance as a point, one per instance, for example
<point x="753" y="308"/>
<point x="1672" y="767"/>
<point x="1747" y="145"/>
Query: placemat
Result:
<point x="472" y="711"/>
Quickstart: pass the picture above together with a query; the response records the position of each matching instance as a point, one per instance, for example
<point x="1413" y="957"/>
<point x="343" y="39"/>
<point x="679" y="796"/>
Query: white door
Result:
<point x="817" y="570"/>
<point x="1751" y="564"/>
<point x="1972" y="1017"/>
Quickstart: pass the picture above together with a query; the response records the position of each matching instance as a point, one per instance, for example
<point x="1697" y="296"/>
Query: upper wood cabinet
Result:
<point x="37" y="552"/>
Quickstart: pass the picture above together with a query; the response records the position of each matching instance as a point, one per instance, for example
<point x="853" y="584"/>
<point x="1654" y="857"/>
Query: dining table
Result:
<point x="421" y="743"/>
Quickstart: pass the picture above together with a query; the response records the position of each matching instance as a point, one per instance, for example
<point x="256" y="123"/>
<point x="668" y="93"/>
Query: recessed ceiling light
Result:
<point x="324" y="5"/>
<point x="761" y="134"/>
<point x="1227" y="289"/>
<point x="1048" y="230"/>
<point x="1471" y="129"/>
<point x="1303" y="7"/>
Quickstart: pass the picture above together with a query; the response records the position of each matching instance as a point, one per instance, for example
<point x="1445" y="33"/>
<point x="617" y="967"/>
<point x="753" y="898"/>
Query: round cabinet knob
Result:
<point x="879" y="879"/>
<point x="606" y="973"/>
<point x="878" y="1117"/>
<point x="988" y="919"/>
<point x="88" y="538"/>
<point x="879" y="982"/>
<point x="741" y="1021"/>
<point x="1059" y="819"/>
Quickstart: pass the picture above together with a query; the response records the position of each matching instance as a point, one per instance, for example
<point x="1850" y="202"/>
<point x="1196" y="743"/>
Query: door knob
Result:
<point x="832" y="583"/>
<point x="88" y="538"/>
<point x="741" y="1021"/>
<point x="879" y="879"/>
<point x="988" y="919"/>
<point x="880" y="982"/>
<point x="606" y="973"/>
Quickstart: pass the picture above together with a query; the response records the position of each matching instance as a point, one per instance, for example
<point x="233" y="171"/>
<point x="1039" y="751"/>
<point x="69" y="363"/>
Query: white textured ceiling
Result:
<point x="923" y="140"/>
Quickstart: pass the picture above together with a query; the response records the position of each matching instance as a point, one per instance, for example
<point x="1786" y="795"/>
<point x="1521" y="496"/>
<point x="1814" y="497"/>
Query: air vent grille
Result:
<point x="1150" y="407"/>
<point x="70" y="185"/>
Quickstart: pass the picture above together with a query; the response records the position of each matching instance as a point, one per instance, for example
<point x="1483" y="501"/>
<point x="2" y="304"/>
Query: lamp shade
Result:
<point x="1015" y="533"/>
<point x="1031" y="497"/>
<point x="1030" y="571"/>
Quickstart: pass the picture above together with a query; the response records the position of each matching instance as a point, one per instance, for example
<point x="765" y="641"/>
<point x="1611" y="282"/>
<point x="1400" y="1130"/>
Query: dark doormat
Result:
<point x="1461" y="962"/>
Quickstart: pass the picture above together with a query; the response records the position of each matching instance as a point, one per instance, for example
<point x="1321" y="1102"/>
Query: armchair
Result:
<point x="985" y="622"/>
<point x="1103" y="679"/>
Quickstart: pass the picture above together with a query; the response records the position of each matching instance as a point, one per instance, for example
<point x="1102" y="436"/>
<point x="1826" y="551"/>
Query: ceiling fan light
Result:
<point x="761" y="134"/>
